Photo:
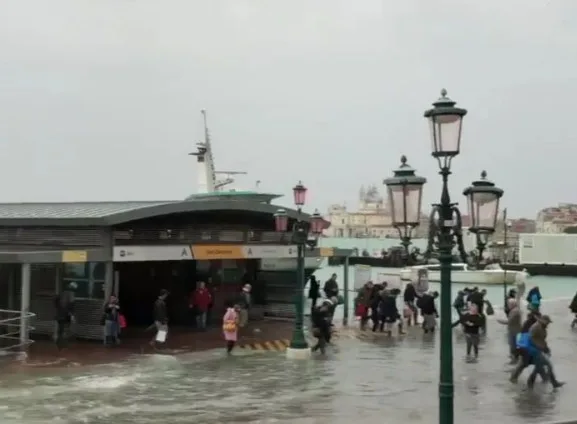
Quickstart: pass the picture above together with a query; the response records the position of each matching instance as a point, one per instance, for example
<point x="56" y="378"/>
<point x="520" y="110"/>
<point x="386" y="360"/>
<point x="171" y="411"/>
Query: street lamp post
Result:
<point x="445" y="121"/>
<point x="300" y="231"/>
<point x="405" y="191"/>
<point x="483" y="199"/>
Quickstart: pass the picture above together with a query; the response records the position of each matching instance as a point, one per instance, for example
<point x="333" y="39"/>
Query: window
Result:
<point x="75" y="271"/>
<point x="89" y="278"/>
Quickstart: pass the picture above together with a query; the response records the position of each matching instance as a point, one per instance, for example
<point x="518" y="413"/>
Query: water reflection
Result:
<point x="361" y="380"/>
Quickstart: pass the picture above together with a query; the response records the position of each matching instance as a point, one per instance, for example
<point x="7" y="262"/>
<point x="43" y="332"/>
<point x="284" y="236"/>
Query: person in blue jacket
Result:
<point x="527" y="352"/>
<point x="534" y="297"/>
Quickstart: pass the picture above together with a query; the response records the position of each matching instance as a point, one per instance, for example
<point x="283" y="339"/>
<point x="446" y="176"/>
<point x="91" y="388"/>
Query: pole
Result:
<point x="346" y="296"/>
<point x="446" y="387"/>
<point x="298" y="338"/>
<point x="505" y="252"/>
<point x="24" y="305"/>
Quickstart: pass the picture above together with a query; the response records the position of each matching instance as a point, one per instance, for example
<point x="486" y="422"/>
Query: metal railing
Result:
<point x="12" y="339"/>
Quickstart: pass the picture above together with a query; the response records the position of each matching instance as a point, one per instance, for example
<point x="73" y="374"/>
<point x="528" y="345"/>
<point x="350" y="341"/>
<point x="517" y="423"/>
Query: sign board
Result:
<point x="72" y="256"/>
<point x="420" y="280"/>
<point x="287" y="264"/>
<point x="151" y="253"/>
<point x="327" y="252"/>
<point x="223" y="251"/>
<point x="363" y="274"/>
<point x="200" y="252"/>
<point x="393" y="280"/>
<point x="270" y="251"/>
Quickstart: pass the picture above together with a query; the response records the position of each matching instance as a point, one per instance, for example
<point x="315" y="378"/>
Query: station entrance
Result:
<point x="139" y="284"/>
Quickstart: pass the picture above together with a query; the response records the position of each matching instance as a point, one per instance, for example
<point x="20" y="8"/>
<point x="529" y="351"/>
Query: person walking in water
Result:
<point x="573" y="309"/>
<point x="429" y="311"/>
<point x="64" y="304"/>
<point x="230" y="326"/>
<point x="514" y="322"/>
<point x="321" y="326"/>
<point x="472" y="322"/>
<point x="409" y="297"/>
<point x="199" y="302"/>
<point x="111" y="320"/>
<point x="314" y="291"/>
<point x="363" y="303"/>
<point x="543" y="364"/>
<point x="160" y="316"/>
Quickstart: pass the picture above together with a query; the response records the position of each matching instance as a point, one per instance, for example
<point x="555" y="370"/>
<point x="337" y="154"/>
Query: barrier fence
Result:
<point x="12" y="338"/>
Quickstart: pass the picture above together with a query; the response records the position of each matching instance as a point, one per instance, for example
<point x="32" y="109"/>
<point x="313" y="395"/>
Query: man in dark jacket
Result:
<point x="429" y="311"/>
<point x="363" y="303"/>
<point x="459" y="303"/>
<point x="314" y="291"/>
<point x="64" y="305"/>
<point x="331" y="287"/>
<point x="320" y="318"/>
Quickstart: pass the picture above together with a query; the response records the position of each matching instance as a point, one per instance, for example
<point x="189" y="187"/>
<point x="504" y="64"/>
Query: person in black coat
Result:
<point x="573" y="308"/>
<point x="314" y="291"/>
<point x="320" y="318"/>
<point x="410" y="297"/>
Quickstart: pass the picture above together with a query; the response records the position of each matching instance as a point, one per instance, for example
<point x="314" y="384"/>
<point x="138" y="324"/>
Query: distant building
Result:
<point x="554" y="220"/>
<point x="371" y="220"/>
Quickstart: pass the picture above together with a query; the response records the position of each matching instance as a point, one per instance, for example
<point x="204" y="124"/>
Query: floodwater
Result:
<point x="369" y="380"/>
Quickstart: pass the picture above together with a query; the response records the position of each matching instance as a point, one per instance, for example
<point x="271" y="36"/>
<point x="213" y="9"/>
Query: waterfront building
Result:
<point x="554" y="220"/>
<point x="371" y="220"/>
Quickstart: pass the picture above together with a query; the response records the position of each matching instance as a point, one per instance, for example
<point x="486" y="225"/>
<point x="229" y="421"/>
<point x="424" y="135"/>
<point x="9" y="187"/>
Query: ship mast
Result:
<point x="207" y="182"/>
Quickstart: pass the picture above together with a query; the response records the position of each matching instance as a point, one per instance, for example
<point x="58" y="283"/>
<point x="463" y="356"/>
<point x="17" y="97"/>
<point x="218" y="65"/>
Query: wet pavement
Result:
<point x="367" y="379"/>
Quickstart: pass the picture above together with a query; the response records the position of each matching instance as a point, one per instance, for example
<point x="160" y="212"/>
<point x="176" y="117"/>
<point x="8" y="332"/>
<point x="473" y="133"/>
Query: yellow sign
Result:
<point x="74" y="256"/>
<point x="327" y="252"/>
<point x="223" y="251"/>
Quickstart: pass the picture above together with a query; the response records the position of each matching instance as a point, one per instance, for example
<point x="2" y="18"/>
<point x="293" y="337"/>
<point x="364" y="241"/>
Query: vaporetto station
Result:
<point x="133" y="249"/>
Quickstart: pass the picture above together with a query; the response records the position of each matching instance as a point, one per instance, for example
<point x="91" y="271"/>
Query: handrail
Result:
<point x="11" y="322"/>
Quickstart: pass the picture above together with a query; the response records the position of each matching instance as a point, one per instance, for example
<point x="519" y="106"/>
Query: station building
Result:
<point x="134" y="249"/>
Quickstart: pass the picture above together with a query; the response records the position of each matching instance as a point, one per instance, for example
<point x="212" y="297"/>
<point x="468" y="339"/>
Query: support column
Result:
<point x="11" y="289"/>
<point x="109" y="283"/>
<point x="25" y="305"/>
<point x="346" y="289"/>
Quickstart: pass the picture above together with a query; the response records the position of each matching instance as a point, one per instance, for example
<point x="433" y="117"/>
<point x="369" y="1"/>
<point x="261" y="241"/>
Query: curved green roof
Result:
<point x="245" y="196"/>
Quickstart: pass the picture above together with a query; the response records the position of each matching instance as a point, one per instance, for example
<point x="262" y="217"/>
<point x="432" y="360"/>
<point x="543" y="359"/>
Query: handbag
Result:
<point x="361" y="310"/>
<point x="121" y="321"/>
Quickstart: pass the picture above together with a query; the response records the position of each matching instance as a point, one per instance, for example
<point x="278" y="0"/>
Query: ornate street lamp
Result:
<point x="445" y="121"/>
<point x="405" y="191"/>
<point x="300" y="236"/>
<point x="483" y="200"/>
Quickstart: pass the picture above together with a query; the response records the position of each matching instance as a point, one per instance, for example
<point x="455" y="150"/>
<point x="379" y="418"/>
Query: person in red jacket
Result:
<point x="200" y="301"/>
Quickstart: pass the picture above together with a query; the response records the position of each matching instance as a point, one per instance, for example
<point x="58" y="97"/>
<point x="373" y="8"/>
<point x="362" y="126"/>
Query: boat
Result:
<point x="461" y="273"/>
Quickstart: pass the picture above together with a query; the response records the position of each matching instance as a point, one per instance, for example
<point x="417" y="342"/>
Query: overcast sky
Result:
<point x="100" y="100"/>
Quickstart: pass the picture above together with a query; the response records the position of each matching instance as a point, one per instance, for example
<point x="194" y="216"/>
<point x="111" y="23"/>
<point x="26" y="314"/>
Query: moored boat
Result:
<point x="462" y="273"/>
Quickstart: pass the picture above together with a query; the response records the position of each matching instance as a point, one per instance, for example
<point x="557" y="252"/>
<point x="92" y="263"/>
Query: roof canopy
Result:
<point x="114" y="213"/>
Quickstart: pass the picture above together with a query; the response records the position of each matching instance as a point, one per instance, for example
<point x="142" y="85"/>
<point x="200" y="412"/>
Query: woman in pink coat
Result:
<point x="230" y="327"/>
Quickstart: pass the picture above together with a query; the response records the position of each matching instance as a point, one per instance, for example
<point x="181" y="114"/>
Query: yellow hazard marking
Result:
<point x="268" y="345"/>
